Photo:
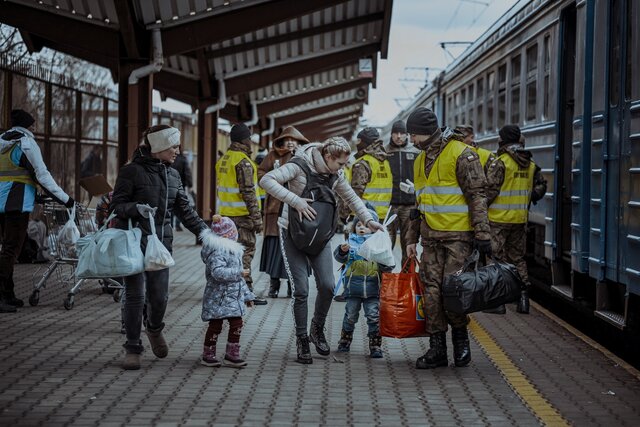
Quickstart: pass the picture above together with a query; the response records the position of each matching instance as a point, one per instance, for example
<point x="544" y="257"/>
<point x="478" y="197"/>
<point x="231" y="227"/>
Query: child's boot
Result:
<point x="345" y="341"/>
<point x="375" y="347"/>
<point x="232" y="356"/>
<point x="209" y="357"/>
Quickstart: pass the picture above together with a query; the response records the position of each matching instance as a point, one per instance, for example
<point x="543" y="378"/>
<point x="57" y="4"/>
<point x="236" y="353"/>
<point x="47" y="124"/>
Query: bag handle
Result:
<point x="471" y="259"/>
<point x="412" y="265"/>
<point x="72" y="213"/>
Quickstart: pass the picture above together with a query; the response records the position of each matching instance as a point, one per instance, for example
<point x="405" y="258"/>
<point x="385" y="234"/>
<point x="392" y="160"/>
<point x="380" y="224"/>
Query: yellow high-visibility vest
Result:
<point x="230" y="200"/>
<point x="439" y="196"/>
<point x="10" y="172"/>
<point x="347" y="173"/>
<point x="378" y="190"/>
<point x="484" y="155"/>
<point x="512" y="204"/>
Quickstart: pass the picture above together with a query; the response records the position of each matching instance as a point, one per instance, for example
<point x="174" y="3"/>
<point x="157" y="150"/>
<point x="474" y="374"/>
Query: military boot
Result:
<point x="304" y="353"/>
<point x="523" y="302"/>
<point x="345" y="341"/>
<point x="274" y="287"/>
<point x="316" y="336"/>
<point x="437" y="354"/>
<point x="461" y="350"/>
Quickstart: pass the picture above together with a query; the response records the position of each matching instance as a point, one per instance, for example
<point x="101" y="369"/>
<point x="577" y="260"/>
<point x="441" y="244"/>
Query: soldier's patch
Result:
<point x="471" y="157"/>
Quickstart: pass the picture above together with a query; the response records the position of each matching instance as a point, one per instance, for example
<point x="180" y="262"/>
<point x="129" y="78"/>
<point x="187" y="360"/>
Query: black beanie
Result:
<point x="509" y="134"/>
<point x="21" y="118"/>
<point x="399" y="127"/>
<point x="368" y="135"/>
<point x="422" y="121"/>
<point x="239" y="133"/>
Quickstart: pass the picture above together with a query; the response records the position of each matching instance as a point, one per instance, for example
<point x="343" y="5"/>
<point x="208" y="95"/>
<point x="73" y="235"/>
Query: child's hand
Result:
<point x="249" y="303"/>
<point x="345" y="247"/>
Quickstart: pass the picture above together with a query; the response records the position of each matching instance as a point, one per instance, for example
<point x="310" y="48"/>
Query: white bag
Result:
<point x="377" y="248"/>
<point x="69" y="235"/>
<point x="156" y="256"/>
<point x="110" y="252"/>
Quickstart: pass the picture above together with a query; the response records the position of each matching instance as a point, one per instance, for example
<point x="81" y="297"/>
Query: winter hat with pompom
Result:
<point x="224" y="227"/>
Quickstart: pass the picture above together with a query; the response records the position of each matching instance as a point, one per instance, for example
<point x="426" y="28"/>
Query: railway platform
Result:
<point x="62" y="367"/>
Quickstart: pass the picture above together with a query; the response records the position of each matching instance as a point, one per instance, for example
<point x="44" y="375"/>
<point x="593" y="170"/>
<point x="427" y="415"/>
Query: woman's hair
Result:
<point x="336" y="146"/>
<point x="152" y="129"/>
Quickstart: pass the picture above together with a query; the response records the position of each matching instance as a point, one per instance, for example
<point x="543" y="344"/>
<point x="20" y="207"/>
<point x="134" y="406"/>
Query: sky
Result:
<point x="417" y="29"/>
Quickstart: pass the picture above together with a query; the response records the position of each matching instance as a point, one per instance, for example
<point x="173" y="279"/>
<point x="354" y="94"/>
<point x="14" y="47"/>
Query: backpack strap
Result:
<point x="307" y="170"/>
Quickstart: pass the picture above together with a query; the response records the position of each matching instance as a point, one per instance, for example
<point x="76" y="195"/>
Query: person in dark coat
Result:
<point x="148" y="189"/>
<point x="181" y="164"/>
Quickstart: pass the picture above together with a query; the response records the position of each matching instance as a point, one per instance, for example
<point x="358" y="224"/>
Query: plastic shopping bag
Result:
<point x="156" y="256"/>
<point x="378" y="247"/>
<point x="69" y="235"/>
<point x="110" y="252"/>
<point x="402" y="313"/>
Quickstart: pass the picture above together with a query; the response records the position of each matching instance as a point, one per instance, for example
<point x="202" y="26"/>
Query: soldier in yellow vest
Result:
<point x="513" y="182"/>
<point x="371" y="176"/>
<point x="452" y="218"/>
<point x="466" y="134"/>
<point x="237" y="195"/>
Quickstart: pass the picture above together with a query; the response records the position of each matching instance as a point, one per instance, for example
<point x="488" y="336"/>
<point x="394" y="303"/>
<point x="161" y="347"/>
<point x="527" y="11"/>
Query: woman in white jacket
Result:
<point x="325" y="159"/>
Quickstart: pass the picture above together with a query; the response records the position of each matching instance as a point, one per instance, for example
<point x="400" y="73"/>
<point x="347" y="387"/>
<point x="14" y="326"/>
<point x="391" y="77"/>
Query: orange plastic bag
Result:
<point x="402" y="312"/>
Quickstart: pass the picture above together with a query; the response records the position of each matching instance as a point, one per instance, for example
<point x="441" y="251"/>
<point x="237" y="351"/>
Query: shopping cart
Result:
<point x="64" y="255"/>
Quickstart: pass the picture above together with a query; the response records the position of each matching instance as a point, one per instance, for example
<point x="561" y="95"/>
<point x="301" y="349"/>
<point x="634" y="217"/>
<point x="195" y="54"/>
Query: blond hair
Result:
<point x="336" y="146"/>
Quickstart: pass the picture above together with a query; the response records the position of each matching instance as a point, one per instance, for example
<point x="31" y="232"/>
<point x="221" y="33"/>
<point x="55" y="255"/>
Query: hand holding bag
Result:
<point x="473" y="289"/>
<point x="156" y="256"/>
<point x="402" y="313"/>
<point x="378" y="247"/>
<point x="69" y="234"/>
<point x="110" y="252"/>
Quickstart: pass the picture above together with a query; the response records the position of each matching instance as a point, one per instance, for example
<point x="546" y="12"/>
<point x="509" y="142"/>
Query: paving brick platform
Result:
<point x="61" y="367"/>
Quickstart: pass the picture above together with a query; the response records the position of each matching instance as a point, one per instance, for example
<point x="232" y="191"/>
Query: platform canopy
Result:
<point x="307" y="63"/>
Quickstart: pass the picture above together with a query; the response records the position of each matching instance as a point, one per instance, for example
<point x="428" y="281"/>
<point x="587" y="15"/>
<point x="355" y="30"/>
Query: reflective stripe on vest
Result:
<point x="512" y="204"/>
<point x="484" y="155"/>
<point x="439" y="196"/>
<point x="380" y="187"/>
<point x="10" y="172"/>
<point x="229" y="197"/>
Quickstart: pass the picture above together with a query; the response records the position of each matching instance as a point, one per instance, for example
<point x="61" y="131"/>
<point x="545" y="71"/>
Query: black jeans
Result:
<point x="155" y="284"/>
<point x="14" y="231"/>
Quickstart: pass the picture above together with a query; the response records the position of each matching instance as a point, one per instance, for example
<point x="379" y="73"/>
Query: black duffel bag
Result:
<point x="474" y="289"/>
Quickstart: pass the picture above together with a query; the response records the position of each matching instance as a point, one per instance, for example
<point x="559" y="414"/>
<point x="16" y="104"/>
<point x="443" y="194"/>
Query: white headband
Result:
<point x="163" y="139"/>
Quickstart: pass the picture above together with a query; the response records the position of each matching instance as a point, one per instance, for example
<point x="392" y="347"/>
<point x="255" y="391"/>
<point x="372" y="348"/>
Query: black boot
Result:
<point x="345" y="341"/>
<point x="437" y="354"/>
<point x="461" y="350"/>
<point x="304" y="354"/>
<point x="523" y="302"/>
<point x="375" y="347"/>
<point x="316" y="336"/>
<point x="274" y="287"/>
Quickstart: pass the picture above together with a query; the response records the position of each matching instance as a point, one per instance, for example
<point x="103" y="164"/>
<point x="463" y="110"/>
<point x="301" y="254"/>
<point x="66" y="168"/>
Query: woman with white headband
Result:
<point x="148" y="189"/>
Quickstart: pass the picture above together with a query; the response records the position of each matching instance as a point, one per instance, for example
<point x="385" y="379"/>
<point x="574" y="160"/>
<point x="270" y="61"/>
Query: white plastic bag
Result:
<point x="69" y="234"/>
<point x="156" y="256"/>
<point x="110" y="252"/>
<point x="377" y="248"/>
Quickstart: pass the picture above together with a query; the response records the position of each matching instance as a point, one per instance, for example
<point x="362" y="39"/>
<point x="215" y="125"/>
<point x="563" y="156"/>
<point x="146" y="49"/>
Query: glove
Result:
<point x="146" y="210"/>
<point x="70" y="203"/>
<point x="483" y="246"/>
<point x="407" y="187"/>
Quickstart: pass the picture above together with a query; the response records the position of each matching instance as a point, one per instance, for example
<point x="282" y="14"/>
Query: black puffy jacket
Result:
<point x="148" y="180"/>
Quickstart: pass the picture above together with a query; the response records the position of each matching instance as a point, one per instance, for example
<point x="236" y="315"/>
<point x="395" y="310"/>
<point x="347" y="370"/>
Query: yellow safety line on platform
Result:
<point x="615" y="359"/>
<point x="520" y="384"/>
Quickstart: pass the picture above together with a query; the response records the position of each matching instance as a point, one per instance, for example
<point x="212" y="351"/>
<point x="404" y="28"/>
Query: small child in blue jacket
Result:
<point x="361" y="280"/>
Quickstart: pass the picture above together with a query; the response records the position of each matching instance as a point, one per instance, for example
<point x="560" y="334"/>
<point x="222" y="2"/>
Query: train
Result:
<point x="568" y="73"/>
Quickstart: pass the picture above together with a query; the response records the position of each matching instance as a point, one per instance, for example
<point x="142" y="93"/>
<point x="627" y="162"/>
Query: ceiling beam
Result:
<point x="33" y="44"/>
<point x="94" y="43"/>
<point x="300" y="34"/>
<point x="177" y="87"/>
<point x="134" y="38"/>
<point x="292" y="119"/>
<point x="205" y="74"/>
<point x="327" y="121"/>
<point x="270" y="107"/>
<point x="266" y="76"/>
<point x="386" y="28"/>
<point x="203" y="32"/>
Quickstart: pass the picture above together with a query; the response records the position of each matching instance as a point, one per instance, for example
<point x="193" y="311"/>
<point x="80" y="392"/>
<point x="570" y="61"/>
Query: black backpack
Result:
<point x="312" y="236"/>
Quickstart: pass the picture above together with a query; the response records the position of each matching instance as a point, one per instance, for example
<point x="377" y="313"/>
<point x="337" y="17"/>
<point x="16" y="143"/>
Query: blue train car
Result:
<point x="568" y="73"/>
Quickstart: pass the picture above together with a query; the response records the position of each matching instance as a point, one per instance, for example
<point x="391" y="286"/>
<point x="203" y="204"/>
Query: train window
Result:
<point x="491" y="86"/>
<point x="531" y="101"/>
<point x="547" y="70"/>
<point x="502" y="97"/>
<point x="531" y="93"/>
<point x="515" y="105"/>
<point x="532" y="59"/>
<point x="515" y="68"/>
<point x="479" y="119"/>
<point x="480" y="101"/>
<point x="470" y="92"/>
<point x="470" y="103"/>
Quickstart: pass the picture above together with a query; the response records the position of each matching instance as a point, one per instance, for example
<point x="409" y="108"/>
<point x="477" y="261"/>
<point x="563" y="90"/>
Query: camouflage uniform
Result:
<point x="248" y="225"/>
<point x="361" y="172"/>
<point x="509" y="241"/>
<point x="444" y="252"/>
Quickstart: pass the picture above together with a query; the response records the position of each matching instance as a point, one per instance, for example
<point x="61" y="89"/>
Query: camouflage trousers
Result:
<point x="509" y="243"/>
<point x="440" y="258"/>
<point x="247" y="238"/>
<point x="402" y="223"/>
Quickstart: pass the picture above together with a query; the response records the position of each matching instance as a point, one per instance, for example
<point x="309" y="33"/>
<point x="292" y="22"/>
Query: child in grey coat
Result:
<point x="226" y="293"/>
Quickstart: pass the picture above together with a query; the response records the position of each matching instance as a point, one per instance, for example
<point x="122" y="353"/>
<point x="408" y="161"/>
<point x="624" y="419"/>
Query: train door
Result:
<point x="563" y="190"/>
<point x="620" y="224"/>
